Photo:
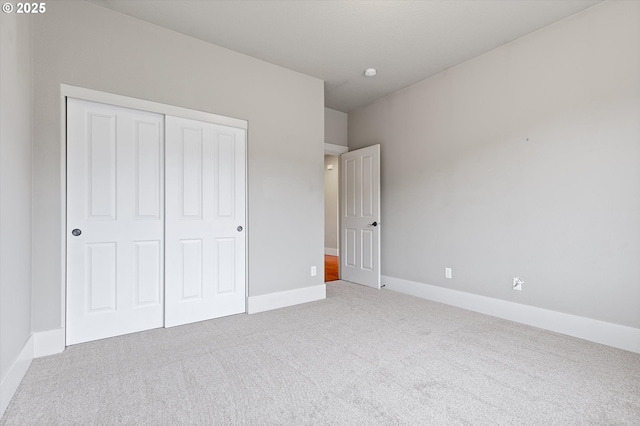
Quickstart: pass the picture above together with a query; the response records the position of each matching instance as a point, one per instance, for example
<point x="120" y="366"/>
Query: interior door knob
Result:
<point x="373" y="224"/>
<point x="239" y="228"/>
<point x="76" y="232"/>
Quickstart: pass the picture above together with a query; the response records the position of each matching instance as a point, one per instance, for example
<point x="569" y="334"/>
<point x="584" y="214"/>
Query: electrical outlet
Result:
<point x="447" y="273"/>
<point x="517" y="283"/>
<point x="313" y="271"/>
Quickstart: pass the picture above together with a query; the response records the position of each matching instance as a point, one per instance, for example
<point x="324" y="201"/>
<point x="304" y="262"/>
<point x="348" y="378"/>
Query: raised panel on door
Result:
<point x="114" y="198"/>
<point x="367" y="243"/>
<point x="148" y="272"/>
<point x="148" y="169"/>
<point x="225" y="262"/>
<point x="350" y="184"/>
<point x="350" y="248"/>
<point x="205" y="202"/>
<point x="100" y="277"/>
<point x="360" y="216"/>
<point x="190" y="260"/>
<point x="225" y="176"/>
<point x="367" y="180"/>
<point x="191" y="155"/>
<point x="99" y="145"/>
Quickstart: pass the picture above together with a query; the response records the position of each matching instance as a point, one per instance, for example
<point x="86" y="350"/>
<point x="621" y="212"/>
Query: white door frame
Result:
<point x="333" y="149"/>
<point x="145" y="105"/>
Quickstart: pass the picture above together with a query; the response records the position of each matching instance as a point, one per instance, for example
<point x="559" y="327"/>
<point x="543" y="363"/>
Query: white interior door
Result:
<point x="360" y="216"/>
<point x="114" y="221"/>
<point x="205" y="221"/>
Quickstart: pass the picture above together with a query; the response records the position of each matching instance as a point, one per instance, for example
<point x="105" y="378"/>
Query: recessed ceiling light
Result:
<point x="370" y="72"/>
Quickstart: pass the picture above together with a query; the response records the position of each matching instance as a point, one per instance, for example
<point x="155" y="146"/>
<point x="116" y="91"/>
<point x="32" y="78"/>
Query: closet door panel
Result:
<point x="205" y="202"/>
<point x="114" y="221"/>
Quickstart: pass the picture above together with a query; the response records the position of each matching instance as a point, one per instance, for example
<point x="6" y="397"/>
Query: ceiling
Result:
<point x="407" y="41"/>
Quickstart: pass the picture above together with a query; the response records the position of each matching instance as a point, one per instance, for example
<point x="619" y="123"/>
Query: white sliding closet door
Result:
<point x="114" y="221"/>
<point x="205" y="220"/>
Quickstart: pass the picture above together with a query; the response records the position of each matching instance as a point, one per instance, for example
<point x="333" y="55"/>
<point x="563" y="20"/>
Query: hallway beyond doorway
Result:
<point x="331" y="268"/>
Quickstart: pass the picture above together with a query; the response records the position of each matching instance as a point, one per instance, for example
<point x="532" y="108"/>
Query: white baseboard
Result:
<point x="48" y="342"/>
<point x="283" y="299"/>
<point x="618" y="336"/>
<point x="331" y="251"/>
<point x="12" y="379"/>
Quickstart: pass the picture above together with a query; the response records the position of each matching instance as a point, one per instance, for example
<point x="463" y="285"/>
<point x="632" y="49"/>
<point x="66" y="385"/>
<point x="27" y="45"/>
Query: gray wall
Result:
<point x="335" y="127"/>
<point x="15" y="187"/>
<point x="524" y="161"/>
<point x="331" y="202"/>
<point x="83" y="44"/>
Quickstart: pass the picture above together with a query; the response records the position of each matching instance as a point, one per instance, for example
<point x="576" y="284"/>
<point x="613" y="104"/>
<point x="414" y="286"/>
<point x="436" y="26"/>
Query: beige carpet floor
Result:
<point x="360" y="357"/>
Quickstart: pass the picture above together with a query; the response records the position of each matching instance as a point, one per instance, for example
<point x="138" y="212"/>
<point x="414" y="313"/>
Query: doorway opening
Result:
<point x="357" y="237"/>
<point x="332" y="154"/>
<point x="331" y="217"/>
